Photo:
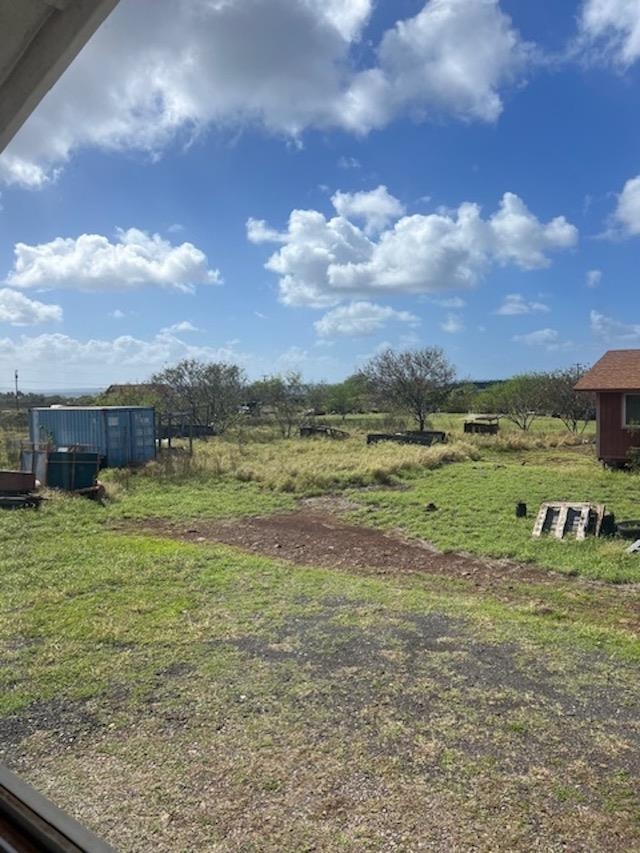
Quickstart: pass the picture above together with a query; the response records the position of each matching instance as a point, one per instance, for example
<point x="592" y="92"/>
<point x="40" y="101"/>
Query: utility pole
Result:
<point x="17" y="393"/>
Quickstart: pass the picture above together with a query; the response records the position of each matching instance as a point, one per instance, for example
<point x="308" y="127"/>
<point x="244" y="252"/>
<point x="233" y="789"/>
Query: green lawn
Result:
<point x="476" y="511"/>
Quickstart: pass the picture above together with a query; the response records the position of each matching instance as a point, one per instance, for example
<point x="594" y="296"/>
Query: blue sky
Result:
<point x="294" y="184"/>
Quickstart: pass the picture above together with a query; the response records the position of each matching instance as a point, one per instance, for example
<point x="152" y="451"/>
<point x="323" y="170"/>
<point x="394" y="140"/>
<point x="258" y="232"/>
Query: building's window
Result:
<point x="632" y="410"/>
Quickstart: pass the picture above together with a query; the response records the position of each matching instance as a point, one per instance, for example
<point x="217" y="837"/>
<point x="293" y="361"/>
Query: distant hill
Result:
<point x="67" y="392"/>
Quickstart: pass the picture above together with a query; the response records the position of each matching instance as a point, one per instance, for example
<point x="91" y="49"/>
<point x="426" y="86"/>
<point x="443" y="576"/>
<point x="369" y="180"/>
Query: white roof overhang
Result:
<point x="38" y="40"/>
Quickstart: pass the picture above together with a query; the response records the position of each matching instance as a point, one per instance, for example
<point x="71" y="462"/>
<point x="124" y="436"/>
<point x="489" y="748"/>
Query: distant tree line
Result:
<point x="414" y="383"/>
<point x="14" y="408"/>
<point x="24" y="401"/>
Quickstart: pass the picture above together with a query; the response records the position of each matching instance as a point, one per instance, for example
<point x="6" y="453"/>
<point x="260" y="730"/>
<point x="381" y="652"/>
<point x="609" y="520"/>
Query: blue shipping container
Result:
<point x="124" y="435"/>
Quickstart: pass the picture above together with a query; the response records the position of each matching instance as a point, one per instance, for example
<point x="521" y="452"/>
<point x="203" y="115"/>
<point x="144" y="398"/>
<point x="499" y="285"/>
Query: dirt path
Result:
<point x="314" y="535"/>
<point x="318" y="538"/>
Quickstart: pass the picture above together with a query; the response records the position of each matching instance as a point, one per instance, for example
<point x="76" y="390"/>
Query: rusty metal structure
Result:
<point x="17" y="490"/>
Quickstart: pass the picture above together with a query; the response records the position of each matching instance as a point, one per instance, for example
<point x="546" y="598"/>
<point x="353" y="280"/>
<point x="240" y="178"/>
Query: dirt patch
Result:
<point x="317" y="537"/>
<point x="65" y="721"/>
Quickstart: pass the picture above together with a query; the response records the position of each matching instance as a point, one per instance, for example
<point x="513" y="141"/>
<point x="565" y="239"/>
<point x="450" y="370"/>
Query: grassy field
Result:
<point x="475" y="497"/>
<point x="476" y="511"/>
<point x="452" y="423"/>
<point x="182" y="695"/>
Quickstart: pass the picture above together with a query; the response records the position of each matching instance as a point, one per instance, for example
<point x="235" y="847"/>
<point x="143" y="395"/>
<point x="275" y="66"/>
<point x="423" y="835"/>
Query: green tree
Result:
<point x="286" y="398"/>
<point x="317" y="397"/>
<point x="205" y="390"/>
<point x="135" y="394"/>
<point x="520" y="399"/>
<point x="461" y="398"/>
<point x="574" y="408"/>
<point x="344" y="397"/>
<point x="416" y="381"/>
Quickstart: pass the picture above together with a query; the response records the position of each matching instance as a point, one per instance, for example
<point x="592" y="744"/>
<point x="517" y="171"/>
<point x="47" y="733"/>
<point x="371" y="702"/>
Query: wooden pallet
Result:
<point x="566" y="518"/>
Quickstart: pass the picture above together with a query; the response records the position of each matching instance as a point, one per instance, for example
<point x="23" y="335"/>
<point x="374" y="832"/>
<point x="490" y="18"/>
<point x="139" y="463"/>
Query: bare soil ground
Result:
<point x="316" y="537"/>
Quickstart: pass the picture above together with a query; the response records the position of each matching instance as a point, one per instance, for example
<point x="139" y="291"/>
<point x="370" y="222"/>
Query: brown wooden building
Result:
<point x="616" y="382"/>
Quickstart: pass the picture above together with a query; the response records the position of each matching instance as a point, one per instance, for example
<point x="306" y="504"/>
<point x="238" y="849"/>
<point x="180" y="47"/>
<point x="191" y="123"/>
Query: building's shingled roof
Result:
<point x="617" y="370"/>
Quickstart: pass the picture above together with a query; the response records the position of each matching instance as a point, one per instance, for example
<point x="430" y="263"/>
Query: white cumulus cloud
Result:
<point x="593" y="278"/>
<point x="182" y="326"/>
<point x="58" y="359"/>
<point x="452" y="58"/>
<point x="18" y="310"/>
<point x="450" y="302"/>
<point x="323" y="261"/>
<point x="611" y="30"/>
<point x="452" y="324"/>
<point x="92" y="262"/>
<point x="522" y="239"/>
<point x="515" y="303"/>
<point x="359" y="319"/>
<point x="610" y="330"/>
<point x="376" y="208"/>
<point x="282" y="65"/>
<point x="547" y="338"/>
<point x="301" y="360"/>
<point x="627" y="212"/>
<point x="349" y="163"/>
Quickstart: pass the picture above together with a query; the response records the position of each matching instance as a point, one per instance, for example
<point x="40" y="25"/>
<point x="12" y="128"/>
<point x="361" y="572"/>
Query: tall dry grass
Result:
<point x="310" y="466"/>
<point x="514" y="442"/>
